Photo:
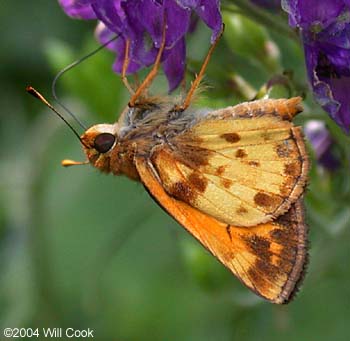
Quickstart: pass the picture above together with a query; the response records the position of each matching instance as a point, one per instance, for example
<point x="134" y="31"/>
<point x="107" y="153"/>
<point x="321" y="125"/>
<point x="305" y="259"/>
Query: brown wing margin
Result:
<point x="269" y="258"/>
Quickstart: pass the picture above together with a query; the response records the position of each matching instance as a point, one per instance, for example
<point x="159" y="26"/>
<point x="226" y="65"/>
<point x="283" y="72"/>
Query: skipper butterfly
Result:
<point x="233" y="177"/>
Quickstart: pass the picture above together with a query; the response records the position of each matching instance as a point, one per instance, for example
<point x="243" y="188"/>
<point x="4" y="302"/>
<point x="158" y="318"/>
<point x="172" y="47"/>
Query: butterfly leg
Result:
<point x="125" y="67"/>
<point x="199" y="77"/>
<point x="152" y="74"/>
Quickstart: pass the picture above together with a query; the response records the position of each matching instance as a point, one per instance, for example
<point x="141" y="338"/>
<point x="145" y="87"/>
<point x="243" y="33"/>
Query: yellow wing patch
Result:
<point x="239" y="170"/>
<point x="269" y="258"/>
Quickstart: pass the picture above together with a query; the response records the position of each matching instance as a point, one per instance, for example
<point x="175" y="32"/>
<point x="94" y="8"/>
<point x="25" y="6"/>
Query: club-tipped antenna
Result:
<point x="68" y="163"/>
<point x="70" y="66"/>
<point x="41" y="98"/>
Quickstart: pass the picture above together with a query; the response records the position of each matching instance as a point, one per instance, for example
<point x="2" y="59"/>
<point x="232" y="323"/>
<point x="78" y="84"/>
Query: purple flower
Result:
<point x="325" y="30"/>
<point x="322" y="143"/>
<point x="141" y="21"/>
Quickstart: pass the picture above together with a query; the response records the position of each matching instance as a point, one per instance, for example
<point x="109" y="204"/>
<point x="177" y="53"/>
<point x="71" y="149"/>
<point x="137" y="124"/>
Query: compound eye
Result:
<point x="104" y="142"/>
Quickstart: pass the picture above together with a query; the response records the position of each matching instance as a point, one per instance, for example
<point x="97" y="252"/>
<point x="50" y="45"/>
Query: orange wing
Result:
<point x="269" y="258"/>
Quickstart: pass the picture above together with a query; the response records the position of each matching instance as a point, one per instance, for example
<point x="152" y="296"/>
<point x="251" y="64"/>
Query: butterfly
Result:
<point x="234" y="178"/>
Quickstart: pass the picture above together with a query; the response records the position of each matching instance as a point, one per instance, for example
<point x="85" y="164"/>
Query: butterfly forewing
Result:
<point x="240" y="170"/>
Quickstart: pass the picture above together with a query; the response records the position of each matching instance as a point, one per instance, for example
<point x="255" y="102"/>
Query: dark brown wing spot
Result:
<point x="289" y="226"/>
<point x="254" y="163"/>
<point x="279" y="236"/>
<point x="287" y="235"/>
<point x="183" y="192"/>
<point x="241" y="153"/>
<point x="226" y="182"/>
<point x="231" y="137"/>
<point x="193" y="156"/>
<point x="220" y="170"/>
<point x="292" y="169"/>
<point x="265" y="200"/>
<point x="241" y="210"/>
<point x="268" y="269"/>
<point x="198" y="182"/>
<point x="266" y="136"/>
<point x="259" y="246"/>
<point x="286" y="239"/>
<point x="287" y="258"/>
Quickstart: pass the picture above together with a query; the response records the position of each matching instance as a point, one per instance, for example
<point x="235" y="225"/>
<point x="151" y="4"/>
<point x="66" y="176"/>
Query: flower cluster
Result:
<point x="325" y="30"/>
<point x="142" y="22"/>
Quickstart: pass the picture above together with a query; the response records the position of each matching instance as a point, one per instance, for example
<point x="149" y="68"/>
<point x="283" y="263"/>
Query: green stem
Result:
<point x="272" y="21"/>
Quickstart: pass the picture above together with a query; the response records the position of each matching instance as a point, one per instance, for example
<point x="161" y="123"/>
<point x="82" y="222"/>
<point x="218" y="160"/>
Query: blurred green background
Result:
<point x="83" y="250"/>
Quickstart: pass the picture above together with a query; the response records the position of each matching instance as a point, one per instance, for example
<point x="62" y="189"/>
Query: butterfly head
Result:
<point x="99" y="142"/>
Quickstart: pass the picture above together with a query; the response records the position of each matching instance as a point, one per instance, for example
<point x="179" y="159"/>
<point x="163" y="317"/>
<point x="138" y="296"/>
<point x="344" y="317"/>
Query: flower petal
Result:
<point x="174" y="66"/>
<point x="80" y="9"/>
<point x="330" y="87"/>
<point x="339" y="105"/>
<point x="141" y="22"/>
<point x="322" y="143"/>
<point x="325" y="30"/>
<point x="311" y="12"/>
<point x="104" y="34"/>
<point x="177" y="20"/>
<point x="133" y="66"/>
<point x="209" y="11"/>
<point x="110" y="13"/>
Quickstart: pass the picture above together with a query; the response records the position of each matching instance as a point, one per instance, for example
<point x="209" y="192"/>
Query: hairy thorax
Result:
<point x="113" y="147"/>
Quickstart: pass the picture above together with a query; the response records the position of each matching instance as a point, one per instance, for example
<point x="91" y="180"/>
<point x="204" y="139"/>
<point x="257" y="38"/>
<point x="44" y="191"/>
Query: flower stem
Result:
<point x="270" y="20"/>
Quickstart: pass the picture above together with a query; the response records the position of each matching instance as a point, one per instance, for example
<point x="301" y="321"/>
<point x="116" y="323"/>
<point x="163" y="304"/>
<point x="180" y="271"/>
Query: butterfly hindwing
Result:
<point x="269" y="258"/>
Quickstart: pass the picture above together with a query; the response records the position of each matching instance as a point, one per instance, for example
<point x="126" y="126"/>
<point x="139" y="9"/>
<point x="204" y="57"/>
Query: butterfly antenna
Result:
<point x="41" y="98"/>
<point x="69" y="67"/>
